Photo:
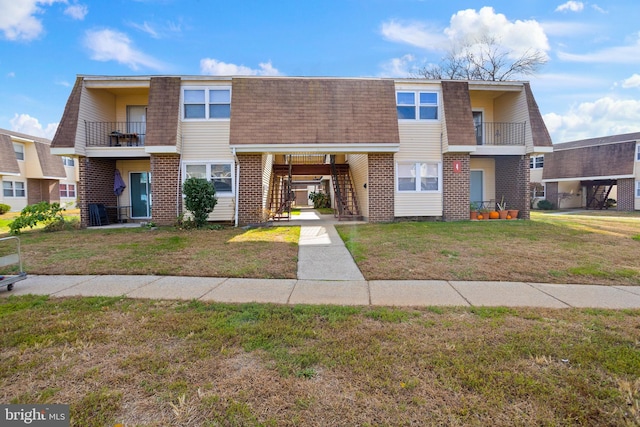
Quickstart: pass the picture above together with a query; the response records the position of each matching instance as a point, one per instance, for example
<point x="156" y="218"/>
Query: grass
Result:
<point x="154" y="363"/>
<point x="548" y="249"/>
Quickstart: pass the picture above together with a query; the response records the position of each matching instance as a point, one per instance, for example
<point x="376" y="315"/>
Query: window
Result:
<point x="219" y="173"/>
<point x="19" y="150"/>
<point x="419" y="177"/>
<point x="637" y="188"/>
<point x="13" y="189"/>
<point x="638" y="152"/>
<point x="536" y="162"/>
<point x="68" y="161"/>
<point x="67" y="190"/>
<point x="538" y="190"/>
<point x="207" y="103"/>
<point x="426" y="107"/>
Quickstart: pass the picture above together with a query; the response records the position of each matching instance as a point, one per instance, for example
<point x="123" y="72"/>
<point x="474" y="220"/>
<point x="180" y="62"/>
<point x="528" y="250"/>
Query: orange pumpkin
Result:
<point x="494" y="215"/>
<point x="508" y="216"/>
<point x="480" y="216"/>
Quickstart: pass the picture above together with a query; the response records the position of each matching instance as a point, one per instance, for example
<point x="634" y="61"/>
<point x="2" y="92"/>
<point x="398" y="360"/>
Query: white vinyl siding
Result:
<point x="511" y="107"/>
<point x="419" y="142"/>
<point x="359" y="167"/>
<point x="488" y="167"/>
<point x="267" y="170"/>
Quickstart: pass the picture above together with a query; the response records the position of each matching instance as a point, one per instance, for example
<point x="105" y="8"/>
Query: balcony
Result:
<point x="115" y="134"/>
<point x="500" y="133"/>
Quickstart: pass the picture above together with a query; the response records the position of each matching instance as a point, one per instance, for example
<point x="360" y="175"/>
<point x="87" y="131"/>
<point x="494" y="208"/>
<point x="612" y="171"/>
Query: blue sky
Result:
<point x="589" y="87"/>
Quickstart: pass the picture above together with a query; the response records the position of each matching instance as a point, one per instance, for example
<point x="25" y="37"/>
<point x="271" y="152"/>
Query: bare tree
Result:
<point x="486" y="59"/>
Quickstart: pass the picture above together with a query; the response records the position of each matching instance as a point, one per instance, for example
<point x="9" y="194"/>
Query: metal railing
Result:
<point x="115" y="134"/>
<point x="500" y="133"/>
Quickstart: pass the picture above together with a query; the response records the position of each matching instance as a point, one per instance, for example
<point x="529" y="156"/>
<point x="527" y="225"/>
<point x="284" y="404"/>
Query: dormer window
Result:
<point x="417" y="105"/>
<point x="206" y="103"/>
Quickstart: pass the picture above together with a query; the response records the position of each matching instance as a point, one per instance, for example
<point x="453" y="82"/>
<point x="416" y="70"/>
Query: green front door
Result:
<point x="140" y="187"/>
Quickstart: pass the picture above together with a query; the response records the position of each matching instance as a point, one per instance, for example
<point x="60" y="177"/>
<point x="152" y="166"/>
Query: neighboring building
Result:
<point x="31" y="174"/>
<point x="588" y="172"/>
<point x="385" y="149"/>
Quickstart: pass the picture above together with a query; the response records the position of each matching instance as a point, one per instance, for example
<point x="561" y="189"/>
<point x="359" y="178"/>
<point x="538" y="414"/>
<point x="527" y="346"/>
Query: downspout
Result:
<point x="442" y="157"/>
<point x="179" y="189"/>
<point x="237" y="189"/>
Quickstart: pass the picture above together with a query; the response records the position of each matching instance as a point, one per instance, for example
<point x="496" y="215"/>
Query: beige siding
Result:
<point x="574" y="194"/>
<point x="489" y="167"/>
<point x="267" y="169"/>
<point x="206" y="140"/>
<point x="126" y="167"/>
<point x="95" y="106"/>
<point x="123" y="101"/>
<point x="359" y="166"/>
<point x="419" y="142"/>
<point x="512" y="108"/>
<point x="71" y="173"/>
<point x="483" y="101"/>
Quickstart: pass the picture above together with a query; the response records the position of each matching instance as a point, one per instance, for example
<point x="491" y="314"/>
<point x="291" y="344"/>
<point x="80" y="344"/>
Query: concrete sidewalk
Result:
<point x="327" y="274"/>
<point x="402" y="293"/>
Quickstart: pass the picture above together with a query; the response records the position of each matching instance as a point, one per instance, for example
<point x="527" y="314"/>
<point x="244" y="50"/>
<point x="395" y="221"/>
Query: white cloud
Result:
<point x="605" y="116"/>
<point x="158" y="31"/>
<point x="399" y="67"/>
<point x="469" y="26"/>
<point x="77" y="11"/>
<point x="598" y="8"/>
<point x="414" y="34"/>
<point x="111" y="45"/>
<point x="572" y="6"/>
<point x="18" y="19"/>
<point x="633" y="81"/>
<point x="24" y="123"/>
<point x="146" y="27"/>
<point x="214" y="67"/>
<point x="563" y="28"/>
<point x="629" y="54"/>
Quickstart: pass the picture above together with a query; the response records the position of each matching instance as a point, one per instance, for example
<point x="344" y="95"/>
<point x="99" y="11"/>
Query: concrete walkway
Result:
<point x="327" y="274"/>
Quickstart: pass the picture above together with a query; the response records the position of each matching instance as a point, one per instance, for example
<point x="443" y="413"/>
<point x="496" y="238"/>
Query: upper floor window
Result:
<point x="203" y="104"/>
<point x="19" y="150"/>
<point x="68" y="161"/>
<point x="536" y="162"/>
<point x="419" y="176"/>
<point x="638" y="152"/>
<point x="13" y="189"/>
<point x="217" y="172"/>
<point x="417" y="105"/>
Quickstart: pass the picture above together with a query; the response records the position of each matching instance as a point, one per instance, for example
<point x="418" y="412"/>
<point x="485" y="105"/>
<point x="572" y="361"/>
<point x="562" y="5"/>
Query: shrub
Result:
<point x="4" y="208"/>
<point x="546" y="205"/>
<point x="320" y="200"/>
<point x="30" y="216"/>
<point x="200" y="199"/>
<point x="63" y="224"/>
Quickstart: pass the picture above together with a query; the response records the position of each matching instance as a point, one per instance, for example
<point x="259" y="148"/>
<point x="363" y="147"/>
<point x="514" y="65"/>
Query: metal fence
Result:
<point x="115" y="134"/>
<point x="500" y="133"/>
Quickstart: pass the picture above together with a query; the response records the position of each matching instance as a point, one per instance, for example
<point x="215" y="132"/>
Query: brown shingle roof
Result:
<point x="613" y="159"/>
<point x="313" y="111"/>
<point x="163" y="112"/>
<point x="51" y="165"/>
<point x="597" y="141"/>
<point x="457" y="113"/>
<point x="8" y="161"/>
<point x="66" y="133"/>
<point x="539" y="131"/>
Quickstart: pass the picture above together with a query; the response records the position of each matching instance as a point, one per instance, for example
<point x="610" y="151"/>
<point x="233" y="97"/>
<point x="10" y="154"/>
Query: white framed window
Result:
<point x="536" y="162"/>
<point x="538" y="191"/>
<point x="419" y="177"/>
<point x="19" y="150"/>
<point x="638" y="189"/>
<point x="206" y="103"/>
<point x="637" y="151"/>
<point x="220" y="173"/>
<point x="68" y="161"/>
<point x="13" y="189"/>
<point x="67" y="190"/>
<point x="417" y="105"/>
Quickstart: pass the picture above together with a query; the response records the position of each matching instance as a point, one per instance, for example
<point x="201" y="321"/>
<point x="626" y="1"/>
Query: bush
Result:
<point x="63" y="224"/>
<point x="546" y="205"/>
<point x="320" y="200"/>
<point x="4" y="208"/>
<point x="200" y="199"/>
<point x="30" y="216"/>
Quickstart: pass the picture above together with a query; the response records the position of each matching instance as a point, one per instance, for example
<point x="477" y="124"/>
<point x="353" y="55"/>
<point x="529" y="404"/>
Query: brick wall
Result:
<point x="250" y="189"/>
<point x="165" y="181"/>
<point x="512" y="181"/>
<point x="95" y="184"/>
<point x="456" y="187"/>
<point x="34" y="191"/>
<point x="626" y="195"/>
<point x="551" y="192"/>
<point x="380" y="187"/>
